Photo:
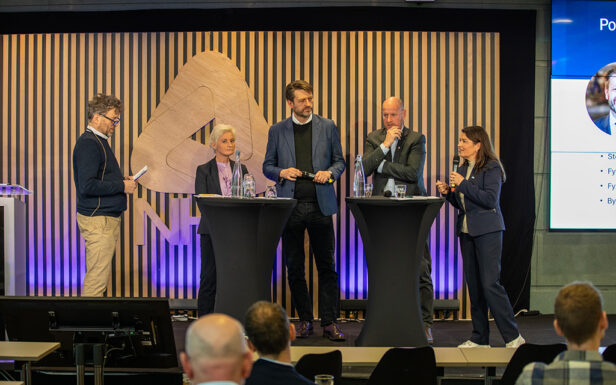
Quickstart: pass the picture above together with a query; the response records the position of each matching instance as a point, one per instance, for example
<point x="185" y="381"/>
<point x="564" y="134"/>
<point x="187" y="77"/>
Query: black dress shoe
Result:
<point x="333" y="332"/>
<point x="304" y="329"/>
<point x="429" y="335"/>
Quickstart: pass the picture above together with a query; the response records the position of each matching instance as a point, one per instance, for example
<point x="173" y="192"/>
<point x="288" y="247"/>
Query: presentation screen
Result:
<point x="583" y="116"/>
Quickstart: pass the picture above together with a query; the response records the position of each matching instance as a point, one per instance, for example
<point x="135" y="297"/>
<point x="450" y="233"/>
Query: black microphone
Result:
<point x="456" y="162"/>
<point x="309" y="175"/>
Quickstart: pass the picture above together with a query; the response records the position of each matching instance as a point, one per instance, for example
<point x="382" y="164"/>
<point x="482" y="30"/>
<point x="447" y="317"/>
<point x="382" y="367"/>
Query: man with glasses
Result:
<point x="101" y="192"/>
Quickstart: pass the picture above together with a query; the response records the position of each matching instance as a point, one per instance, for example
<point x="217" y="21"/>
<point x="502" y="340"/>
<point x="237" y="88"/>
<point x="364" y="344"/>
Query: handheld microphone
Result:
<point x="309" y="175"/>
<point x="456" y="162"/>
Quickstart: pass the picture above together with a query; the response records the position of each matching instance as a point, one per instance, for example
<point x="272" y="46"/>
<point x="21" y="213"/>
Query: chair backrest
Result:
<point x="526" y="354"/>
<point x="609" y="354"/>
<point x="399" y="366"/>
<point x="312" y="364"/>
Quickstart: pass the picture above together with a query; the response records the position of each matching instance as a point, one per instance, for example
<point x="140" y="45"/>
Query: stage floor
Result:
<point x="535" y="329"/>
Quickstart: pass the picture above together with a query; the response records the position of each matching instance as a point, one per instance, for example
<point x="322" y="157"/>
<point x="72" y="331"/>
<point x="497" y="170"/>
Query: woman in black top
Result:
<point x="213" y="177"/>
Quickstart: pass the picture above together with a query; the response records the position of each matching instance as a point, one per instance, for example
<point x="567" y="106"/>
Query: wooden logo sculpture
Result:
<point x="208" y="87"/>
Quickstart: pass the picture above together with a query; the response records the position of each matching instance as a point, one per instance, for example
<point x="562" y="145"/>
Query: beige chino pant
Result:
<point x="101" y="234"/>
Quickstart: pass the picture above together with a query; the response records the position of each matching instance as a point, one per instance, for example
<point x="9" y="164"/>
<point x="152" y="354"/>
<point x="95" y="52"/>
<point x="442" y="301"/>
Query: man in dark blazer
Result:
<point x="270" y="333"/>
<point x="406" y="167"/>
<point x="304" y="144"/>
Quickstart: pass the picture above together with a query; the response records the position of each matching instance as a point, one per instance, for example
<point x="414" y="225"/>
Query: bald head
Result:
<point x="393" y="113"/>
<point x="216" y="350"/>
<point x="393" y="102"/>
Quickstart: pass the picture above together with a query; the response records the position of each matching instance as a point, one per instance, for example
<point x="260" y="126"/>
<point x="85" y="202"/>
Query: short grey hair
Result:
<point x="219" y="130"/>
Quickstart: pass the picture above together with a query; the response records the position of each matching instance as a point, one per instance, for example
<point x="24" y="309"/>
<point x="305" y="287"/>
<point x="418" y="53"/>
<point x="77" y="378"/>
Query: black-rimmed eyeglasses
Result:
<point x="115" y="121"/>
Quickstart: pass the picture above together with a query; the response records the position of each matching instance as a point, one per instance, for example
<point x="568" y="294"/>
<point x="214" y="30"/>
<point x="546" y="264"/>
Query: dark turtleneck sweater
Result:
<point x="304" y="188"/>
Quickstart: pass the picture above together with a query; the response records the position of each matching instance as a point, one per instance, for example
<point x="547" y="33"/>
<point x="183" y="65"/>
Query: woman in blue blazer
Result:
<point x="480" y="228"/>
<point x="213" y="177"/>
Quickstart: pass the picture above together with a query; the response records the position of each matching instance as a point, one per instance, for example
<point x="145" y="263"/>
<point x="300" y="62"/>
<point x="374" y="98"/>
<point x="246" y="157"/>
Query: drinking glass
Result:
<point x="270" y="192"/>
<point x="368" y="190"/>
<point x="249" y="186"/>
<point x="400" y="191"/>
<point x="324" y="379"/>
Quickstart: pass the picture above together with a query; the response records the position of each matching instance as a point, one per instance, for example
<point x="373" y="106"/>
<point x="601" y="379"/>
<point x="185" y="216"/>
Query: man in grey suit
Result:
<point x="396" y="155"/>
<point x="304" y="157"/>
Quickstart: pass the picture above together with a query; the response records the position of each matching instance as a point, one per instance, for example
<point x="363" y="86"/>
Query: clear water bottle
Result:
<point x="249" y="186"/>
<point x="236" y="181"/>
<point x="359" y="183"/>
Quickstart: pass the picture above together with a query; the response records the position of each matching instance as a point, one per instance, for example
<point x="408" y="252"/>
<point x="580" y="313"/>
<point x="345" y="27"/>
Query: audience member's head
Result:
<point x="216" y="350"/>
<point x="268" y="329"/>
<point x="579" y="315"/>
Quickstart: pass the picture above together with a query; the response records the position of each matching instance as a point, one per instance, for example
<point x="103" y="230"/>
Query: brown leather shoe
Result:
<point x="429" y="335"/>
<point x="304" y="329"/>
<point x="333" y="332"/>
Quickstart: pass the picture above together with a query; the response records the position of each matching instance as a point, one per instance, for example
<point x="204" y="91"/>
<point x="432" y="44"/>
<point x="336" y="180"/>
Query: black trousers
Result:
<point x="426" y="289"/>
<point x="481" y="257"/>
<point x="308" y="216"/>
<point x="207" y="286"/>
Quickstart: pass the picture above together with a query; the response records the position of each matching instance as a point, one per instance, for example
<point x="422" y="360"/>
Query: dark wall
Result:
<point x="122" y="5"/>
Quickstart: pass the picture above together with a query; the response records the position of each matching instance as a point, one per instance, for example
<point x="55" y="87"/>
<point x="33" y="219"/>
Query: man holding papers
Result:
<point x="101" y="192"/>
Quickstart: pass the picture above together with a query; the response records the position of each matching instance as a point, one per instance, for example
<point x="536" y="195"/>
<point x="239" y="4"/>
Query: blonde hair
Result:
<point x="219" y="130"/>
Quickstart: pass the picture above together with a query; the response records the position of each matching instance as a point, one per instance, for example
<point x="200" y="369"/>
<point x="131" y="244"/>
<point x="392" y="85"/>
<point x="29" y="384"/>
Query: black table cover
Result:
<point x="394" y="233"/>
<point x="245" y="234"/>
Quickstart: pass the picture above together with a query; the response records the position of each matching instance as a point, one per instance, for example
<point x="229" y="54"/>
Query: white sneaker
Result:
<point x="515" y="343"/>
<point x="471" y="344"/>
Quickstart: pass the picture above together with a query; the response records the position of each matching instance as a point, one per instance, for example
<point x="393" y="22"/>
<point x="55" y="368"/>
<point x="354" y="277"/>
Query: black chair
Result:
<point x="400" y="366"/>
<point x="312" y="364"/>
<point x="526" y="354"/>
<point x="609" y="354"/>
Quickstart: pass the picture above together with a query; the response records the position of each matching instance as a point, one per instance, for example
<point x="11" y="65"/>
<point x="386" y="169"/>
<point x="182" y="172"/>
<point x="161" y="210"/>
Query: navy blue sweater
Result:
<point x="97" y="194"/>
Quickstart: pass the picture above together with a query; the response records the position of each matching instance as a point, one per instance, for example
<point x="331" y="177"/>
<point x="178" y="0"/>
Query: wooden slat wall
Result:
<point x="447" y="81"/>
